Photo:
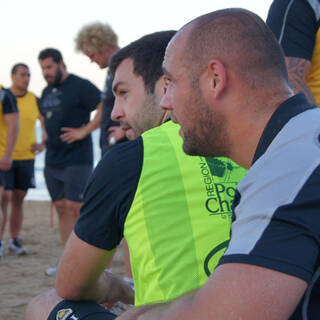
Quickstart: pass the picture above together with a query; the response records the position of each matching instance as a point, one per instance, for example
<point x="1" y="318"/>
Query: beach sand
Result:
<point x="23" y="277"/>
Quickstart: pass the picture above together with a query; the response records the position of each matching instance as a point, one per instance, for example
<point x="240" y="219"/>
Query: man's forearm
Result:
<point x="12" y="135"/>
<point x="108" y="288"/>
<point x="173" y="309"/>
<point x="95" y="122"/>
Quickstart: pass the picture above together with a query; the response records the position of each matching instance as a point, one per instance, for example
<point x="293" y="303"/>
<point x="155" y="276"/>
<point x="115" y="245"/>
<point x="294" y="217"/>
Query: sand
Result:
<point x="23" y="277"/>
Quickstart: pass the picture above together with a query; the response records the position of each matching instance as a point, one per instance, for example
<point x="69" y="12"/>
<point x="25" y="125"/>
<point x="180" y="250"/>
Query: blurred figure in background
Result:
<point x="66" y="104"/>
<point x="99" y="42"/>
<point x="9" y="129"/>
<point x="20" y="177"/>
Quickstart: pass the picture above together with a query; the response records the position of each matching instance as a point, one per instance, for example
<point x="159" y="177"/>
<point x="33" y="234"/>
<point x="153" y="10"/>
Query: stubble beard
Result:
<point x="147" y="115"/>
<point x="207" y="137"/>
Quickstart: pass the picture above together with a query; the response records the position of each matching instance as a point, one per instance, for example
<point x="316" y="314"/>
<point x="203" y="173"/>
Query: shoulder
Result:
<point x="31" y="94"/>
<point x="122" y="160"/>
<point x="80" y="80"/>
<point x="8" y="100"/>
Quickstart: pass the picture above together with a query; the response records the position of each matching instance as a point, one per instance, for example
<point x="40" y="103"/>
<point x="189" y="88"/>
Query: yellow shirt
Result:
<point x="29" y="113"/>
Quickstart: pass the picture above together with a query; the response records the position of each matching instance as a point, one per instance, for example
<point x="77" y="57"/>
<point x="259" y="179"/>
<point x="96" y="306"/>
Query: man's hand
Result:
<point x="116" y="134"/>
<point x="37" y="148"/>
<point x="114" y="289"/>
<point x="71" y="135"/>
<point x="5" y="163"/>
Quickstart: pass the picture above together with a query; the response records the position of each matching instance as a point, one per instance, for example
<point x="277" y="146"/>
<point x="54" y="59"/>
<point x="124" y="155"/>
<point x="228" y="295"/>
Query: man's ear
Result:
<point x="62" y="65"/>
<point x="217" y="76"/>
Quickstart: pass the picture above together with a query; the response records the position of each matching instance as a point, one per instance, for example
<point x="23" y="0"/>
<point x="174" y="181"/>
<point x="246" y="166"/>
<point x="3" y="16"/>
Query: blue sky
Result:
<point x="29" y="26"/>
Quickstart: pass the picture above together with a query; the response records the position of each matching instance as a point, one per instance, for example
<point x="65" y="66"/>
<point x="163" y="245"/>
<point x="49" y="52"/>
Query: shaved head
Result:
<point x="240" y="40"/>
<point x="226" y="74"/>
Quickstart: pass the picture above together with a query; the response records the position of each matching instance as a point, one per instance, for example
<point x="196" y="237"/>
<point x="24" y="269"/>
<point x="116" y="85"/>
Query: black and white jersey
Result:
<point x="277" y="211"/>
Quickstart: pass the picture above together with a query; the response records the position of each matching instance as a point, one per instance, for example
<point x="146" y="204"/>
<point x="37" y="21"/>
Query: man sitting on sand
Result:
<point x="174" y="210"/>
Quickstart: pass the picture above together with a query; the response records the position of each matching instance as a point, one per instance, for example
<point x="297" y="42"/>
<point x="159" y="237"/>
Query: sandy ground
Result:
<point x="23" y="277"/>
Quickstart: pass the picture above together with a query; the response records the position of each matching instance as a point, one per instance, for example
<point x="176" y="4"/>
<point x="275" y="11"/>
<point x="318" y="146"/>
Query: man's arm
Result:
<point x="39" y="147"/>
<point x="12" y="120"/>
<point x="116" y="134"/>
<point x="237" y="291"/>
<point x="80" y="275"/>
<point x="298" y="70"/>
<point x="71" y="135"/>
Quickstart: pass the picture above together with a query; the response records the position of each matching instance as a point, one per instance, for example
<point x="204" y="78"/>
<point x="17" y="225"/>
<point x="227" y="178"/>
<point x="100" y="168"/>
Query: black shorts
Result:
<point x="1" y="178"/>
<point x="84" y="310"/>
<point x="68" y="182"/>
<point x="20" y="176"/>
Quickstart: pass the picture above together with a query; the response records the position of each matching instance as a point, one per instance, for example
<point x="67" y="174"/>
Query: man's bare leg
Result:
<point x="68" y="213"/>
<point x="5" y="196"/>
<point x="40" y="306"/>
<point x="16" y="216"/>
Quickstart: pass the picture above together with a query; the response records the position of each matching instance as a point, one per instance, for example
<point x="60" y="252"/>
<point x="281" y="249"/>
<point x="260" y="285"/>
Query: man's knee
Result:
<point x="61" y="206"/>
<point x="81" y="310"/>
<point x="18" y="196"/>
<point x="6" y="197"/>
<point x="40" y="306"/>
<point x="73" y="207"/>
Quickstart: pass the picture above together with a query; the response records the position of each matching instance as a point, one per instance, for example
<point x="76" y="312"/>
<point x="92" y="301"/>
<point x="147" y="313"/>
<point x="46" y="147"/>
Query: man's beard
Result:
<point x="145" y="117"/>
<point x="207" y="137"/>
<point x="58" y="77"/>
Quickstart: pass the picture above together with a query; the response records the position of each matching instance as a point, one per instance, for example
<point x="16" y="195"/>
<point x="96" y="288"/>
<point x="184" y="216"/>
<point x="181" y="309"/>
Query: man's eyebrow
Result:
<point x="115" y="86"/>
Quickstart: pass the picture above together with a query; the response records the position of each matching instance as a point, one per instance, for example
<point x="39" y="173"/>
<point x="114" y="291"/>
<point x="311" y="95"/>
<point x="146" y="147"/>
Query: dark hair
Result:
<point x="17" y="65"/>
<point x="50" y="52"/>
<point x="147" y="54"/>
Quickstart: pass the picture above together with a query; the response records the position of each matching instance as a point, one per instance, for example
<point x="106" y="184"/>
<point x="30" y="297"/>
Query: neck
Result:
<point x="65" y="75"/>
<point x="17" y="91"/>
<point x="250" y="122"/>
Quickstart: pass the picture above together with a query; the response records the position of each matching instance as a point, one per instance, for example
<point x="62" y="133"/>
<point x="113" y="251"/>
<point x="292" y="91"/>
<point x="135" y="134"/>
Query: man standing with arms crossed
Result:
<point x="66" y="104"/>
<point x="21" y="175"/>
<point x="9" y="129"/>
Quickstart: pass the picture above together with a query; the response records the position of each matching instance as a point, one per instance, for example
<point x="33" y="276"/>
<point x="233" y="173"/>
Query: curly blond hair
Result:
<point x="96" y="37"/>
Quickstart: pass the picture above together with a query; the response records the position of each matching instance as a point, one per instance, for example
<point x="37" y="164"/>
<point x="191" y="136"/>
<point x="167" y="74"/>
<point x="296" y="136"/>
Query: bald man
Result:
<point x="228" y="89"/>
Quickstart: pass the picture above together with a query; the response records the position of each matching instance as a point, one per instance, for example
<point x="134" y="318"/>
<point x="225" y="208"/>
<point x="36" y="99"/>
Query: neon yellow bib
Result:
<point x="179" y="222"/>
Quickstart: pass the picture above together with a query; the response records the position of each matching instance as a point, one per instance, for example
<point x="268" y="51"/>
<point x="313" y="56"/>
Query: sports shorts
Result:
<point x="20" y="176"/>
<point x="82" y="310"/>
<point x="68" y="182"/>
<point x="1" y="178"/>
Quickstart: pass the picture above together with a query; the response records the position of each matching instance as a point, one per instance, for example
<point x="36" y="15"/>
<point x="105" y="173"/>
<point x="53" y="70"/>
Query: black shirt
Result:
<point x="68" y="104"/>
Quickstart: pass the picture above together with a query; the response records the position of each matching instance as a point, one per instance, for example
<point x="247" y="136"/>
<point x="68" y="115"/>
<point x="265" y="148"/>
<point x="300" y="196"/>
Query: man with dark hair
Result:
<point x="296" y="25"/>
<point x="20" y="177"/>
<point x="66" y="104"/>
<point x="9" y="129"/>
<point x="174" y="210"/>
<point x="228" y="89"/>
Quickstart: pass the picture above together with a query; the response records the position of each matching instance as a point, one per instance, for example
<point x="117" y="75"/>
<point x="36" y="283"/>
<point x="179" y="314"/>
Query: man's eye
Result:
<point x="122" y="92"/>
